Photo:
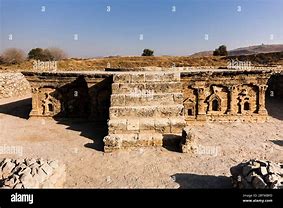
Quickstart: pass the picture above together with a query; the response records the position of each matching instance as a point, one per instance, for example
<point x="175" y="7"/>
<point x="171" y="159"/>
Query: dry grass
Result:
<point x="123" y="62"/>
<point x="163" y="61"/>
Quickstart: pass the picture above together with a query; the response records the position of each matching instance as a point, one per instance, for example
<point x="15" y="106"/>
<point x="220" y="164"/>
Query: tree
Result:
<point x="13" y="56"/>
<point x="221" y="51"/>
<point x="57" y="54"/>
<point x="39" y="54"/>
<point x="147" y="52"/>
<point x="35" y="53"/>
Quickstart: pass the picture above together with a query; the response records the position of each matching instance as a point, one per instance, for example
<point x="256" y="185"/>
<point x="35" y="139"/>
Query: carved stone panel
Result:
<point x="49" y="101"/>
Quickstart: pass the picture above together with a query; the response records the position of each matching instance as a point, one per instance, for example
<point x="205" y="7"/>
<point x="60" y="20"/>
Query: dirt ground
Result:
<point x="79" y="145"/>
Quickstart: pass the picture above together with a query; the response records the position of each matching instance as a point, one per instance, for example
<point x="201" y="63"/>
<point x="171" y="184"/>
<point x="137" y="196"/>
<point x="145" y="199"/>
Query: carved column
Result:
<point x="232" y="100"/>
<point x="35" y="102"/>
<point x="201" y="105"/>
<point x="261" y="99"/>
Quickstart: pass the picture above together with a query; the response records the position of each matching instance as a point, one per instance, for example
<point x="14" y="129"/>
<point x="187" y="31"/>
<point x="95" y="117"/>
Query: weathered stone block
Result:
<point x="147" y="124"/>
<point x="178" y="98"/>
<point x="177" y="124"/>
<point x="257" y="174"/>
<point x="153" y="77"/>
<point x="115" y="88"/>
<point x="122" y="78"/>
<point x="167" y="87"/>
<point x="133" y="100"/>
<point x="170" y="111"/>
<point x="162" y="125"/>
<point x="138" y="78"/>
<point x="188" y="141"/>
<point x="31" y="173"/>
<point x="134" y="89"/>
<point x="133" y="124"/>
<point x="117" y="100"/>
<point x="164" y="99"/>
<point x="117" y="124"/>
<point x="112" y="142"/>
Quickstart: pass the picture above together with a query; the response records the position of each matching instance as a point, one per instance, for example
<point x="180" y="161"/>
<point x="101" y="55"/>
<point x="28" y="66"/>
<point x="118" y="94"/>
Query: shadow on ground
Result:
<point x="274" y="108"/>
<point x="278" y="142"/>
<point x="193" y="181"/>
<point x="19" y="108"/>
<point x="95" y="131"/>
<point x="171" y="142"/>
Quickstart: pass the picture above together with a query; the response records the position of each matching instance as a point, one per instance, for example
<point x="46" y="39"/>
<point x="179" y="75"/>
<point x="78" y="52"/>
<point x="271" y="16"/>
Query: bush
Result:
<point x="50" y="54"/>
<point x="57" y="54"/>
<point x="13" y="56"/>
<point x="221" y="51"/>
<point x="147" y="52"/>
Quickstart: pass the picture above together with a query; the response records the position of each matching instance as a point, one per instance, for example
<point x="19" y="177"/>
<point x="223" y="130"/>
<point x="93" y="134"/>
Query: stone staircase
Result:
<point x="145" y="106"/>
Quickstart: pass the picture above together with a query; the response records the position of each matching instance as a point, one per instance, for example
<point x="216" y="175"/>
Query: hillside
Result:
<point x="256" y="50"/>
<point x="246" y="50"/>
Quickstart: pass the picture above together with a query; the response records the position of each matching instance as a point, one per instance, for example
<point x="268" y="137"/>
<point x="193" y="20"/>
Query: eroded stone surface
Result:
<point x="13" y="85"/>
<point x="257" y="174"/>
<point x="189" y="141"/>
<point x="31" y="173"/>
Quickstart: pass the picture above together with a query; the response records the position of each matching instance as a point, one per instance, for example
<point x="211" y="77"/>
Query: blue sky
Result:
<point x="235" y="23"/>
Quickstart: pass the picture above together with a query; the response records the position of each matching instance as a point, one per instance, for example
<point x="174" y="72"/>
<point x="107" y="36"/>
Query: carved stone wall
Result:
<point x="143" y="107"/>
<point x="225" y="96"/>
<point x="71" y="95"/>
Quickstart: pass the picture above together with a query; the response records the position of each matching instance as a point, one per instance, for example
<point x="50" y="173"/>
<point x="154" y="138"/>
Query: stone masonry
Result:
<point x="13" y="85"/>
<point x="144" y="107"/>
<point x="225" y="95"/>
<point x="31" y="173"/>
<point x="70" y="94"/>
<point x="257" y="174"/>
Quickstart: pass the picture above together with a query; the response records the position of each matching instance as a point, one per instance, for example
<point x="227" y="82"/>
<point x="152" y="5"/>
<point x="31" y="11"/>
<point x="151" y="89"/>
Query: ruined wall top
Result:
<point x="185" y="71"/>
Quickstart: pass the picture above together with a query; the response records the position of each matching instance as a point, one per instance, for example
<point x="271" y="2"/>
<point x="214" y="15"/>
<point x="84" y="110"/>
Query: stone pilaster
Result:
<point x="261" y="99"/>
<point x="35" y="102"/>
<point x="201" y="105"/>
<point x="232" y="109"/>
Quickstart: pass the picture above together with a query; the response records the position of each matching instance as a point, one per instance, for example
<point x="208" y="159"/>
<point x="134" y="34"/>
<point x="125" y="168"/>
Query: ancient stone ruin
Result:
<point x="144" y="107"/>
<point x="31" y="173"/>
<point x="257" y="174"/>
<point x="188" y="142"/>
<point x="225" y="95"/>
<point x="13" y="85"/>
<point x="141" y="108"/>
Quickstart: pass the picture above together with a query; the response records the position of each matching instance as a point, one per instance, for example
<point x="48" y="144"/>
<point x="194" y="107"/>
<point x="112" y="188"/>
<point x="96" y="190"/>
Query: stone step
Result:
<point x="135" y="89"/>
<point x="137" y="140"/>
<point x="146" y="125"/>
<point x="145" y="100"/>
<point x="141" y="77"/>
<point x="146" y="111"/>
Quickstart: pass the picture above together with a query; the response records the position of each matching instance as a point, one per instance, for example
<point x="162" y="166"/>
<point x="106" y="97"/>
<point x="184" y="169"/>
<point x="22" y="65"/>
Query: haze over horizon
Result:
<point x="126" y="27"/>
